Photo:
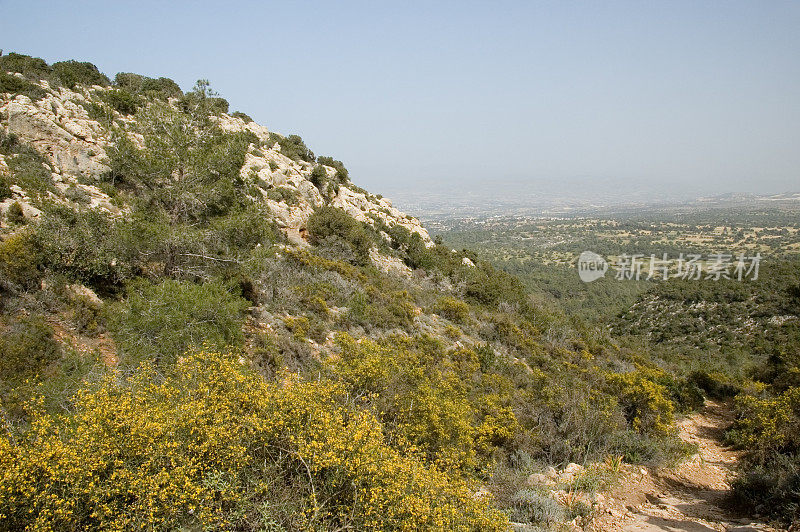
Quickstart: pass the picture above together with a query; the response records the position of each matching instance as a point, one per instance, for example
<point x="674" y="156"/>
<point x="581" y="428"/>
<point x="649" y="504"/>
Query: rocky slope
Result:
<point x="59" y="126"/>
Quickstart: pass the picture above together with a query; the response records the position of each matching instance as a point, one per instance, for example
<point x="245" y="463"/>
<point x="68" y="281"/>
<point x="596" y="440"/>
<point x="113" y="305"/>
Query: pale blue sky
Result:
<point x="699" y="95"/>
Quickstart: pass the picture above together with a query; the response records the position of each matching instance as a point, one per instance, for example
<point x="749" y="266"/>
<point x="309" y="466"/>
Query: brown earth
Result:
<point x="101" y="343"/>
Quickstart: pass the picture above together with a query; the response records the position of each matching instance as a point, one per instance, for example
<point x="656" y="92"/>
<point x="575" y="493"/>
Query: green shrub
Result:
<point x="128" y="164"/>
<point x="19" y="259"/>
<point x="319" y="177"/>
<point x="686" y="395"/>
<point x="342" y="176"/>
<point x="5" y="189"/>
<point x="243" y="116"/>
<point x="122" y="101"/>
<point x="164" y="88"/>
<point x="315" y="296"/>
<point x="292" y="147"/>
<point x="28" y="168"/>
<point x="240" y="232"/>
<point x="28" y="348"/>
<point x="416" y="254"/>
<point x="30" y="67"/>
<point x="386" y="311"/>
<point x="715" y="385"/>
<point x="202" y="101"/>
<point x="88" y="246"/>
<point x="330" y="222"/>
<point x="189" y="168"/>
<point x="489" y="286"/>
<point x="218" y="105"/>
<point x="98" y="111"/>
<point x="161" y="321"/>
<point x="567" y="420"/>
<point x="129" y="81"/>
<point x="452" y="309"/>
<point x="29" y="356"/>
<point x="289" y="196"/>
<point x="85" y="314"/>
<point x="14" y="85"/>
<point x="71" y="73"/>
<point x="534" y="507"/>
<point x="78" y="195"/>
<point x="650" y="449"/>
<point x="771" y="488"/>
<point x="137" y="84"/>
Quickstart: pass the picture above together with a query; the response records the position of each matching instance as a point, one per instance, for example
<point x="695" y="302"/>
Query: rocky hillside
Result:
<point x="63" y="126"/>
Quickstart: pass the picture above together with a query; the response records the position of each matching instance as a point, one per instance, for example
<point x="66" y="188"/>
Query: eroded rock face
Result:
<point x="387" y="264"/>
<point x="234" y="124"/>
<point x="360" y="206"/>
<point x="61" y="130"/>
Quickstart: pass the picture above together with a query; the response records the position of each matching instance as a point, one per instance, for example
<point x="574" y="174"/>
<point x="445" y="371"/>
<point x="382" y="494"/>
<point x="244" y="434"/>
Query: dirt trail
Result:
<point x="690" y="497"/>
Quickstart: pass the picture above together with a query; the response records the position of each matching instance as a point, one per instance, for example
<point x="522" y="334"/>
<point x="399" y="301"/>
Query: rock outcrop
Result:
<point x="59" y="127"/>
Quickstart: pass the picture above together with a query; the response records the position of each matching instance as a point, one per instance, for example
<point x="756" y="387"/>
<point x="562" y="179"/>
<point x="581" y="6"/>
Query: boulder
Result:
<point x="570" y="472"/>
<point x="538" y="479"/>
<point x="79" y="291"/>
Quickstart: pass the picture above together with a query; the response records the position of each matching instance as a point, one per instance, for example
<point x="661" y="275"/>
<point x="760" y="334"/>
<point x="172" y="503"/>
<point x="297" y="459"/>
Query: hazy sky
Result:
<point x="698" y="96"/>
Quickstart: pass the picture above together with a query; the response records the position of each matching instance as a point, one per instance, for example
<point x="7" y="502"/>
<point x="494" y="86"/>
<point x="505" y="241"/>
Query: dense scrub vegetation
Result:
<point x="161" y="452"/>
<point x="66" y="73"/>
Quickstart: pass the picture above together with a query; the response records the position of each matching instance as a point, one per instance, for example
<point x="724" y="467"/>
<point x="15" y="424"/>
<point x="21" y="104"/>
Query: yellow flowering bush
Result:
<point x="212" y="445"/>
<point x="453" y="309"/>
<point x="768" y="429"/>
<point x="769" y="425"/>
<point x="646" y="404"/>
<point x="436" y="402"/>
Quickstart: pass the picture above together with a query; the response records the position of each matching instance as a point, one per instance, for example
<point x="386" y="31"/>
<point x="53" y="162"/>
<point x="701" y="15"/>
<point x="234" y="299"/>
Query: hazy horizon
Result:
<point x="586" y="190"/>
<point x="680" y="98"/>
